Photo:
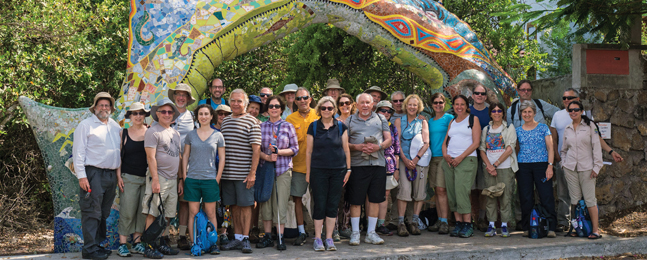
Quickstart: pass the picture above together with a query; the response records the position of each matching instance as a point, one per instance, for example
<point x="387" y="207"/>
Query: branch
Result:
<point x="10" y="115"/>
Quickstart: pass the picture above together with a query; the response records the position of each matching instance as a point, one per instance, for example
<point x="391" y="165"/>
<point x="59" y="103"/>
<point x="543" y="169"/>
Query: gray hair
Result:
<point x="303" y="89"/>
<point x="240" y="91"/>
<point x="324" y="100"/>
<point x="577" y="93"/>
<point x="528" y="104"/>
<point x="364" y="94"/>
<point x="396" y="93"/>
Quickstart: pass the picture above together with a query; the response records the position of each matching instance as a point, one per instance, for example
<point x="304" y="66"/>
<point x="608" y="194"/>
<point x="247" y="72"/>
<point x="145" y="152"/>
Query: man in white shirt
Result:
<point x="96" y="152"/>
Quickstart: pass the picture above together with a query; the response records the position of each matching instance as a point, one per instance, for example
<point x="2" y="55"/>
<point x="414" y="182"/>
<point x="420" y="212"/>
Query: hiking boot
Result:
<point x="374" y="238"/>
<point x="392" y="226"/>
<point x="183" y="243"/>
<point x="152" y="253"/>
<point x="280" y="245"/>
<point x="317" y="245"/>
<point x="491" y="231"/>
<point x="139" y="248"/>
<point x="247" y="247"/>
<point x="504" y="231"/>
<point x="402" y="230"/>
<point x="330" y="245"/>
<point x="254" y="235"/>
<point x="301" y="239"/>
<point x="233" y="245"/>
<point x="414" y="230"/>
<point x="444" y="228"/>
<point x="335" y="235"/>
<point x="266" y="241"/>
<point x="123" y="251"/>
<point x="384" y="231"/>
<point x="214" y="250"/>
<point x="467" y="230"/>
<point x="223" y="240"/>
<point x="345" y="233"/>
<point x="354" y="238"/>
<point x="165" y="247"/>
<point x="96" y="255"/>
<point x="435" y="227"/>
<point x="105" y="251"/>
<point x="551" y="234"/>
<point x="458" y="226"/>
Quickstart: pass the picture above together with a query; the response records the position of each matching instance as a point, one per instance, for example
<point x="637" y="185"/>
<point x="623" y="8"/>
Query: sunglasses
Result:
<point x="300" y="98"/>
<point x="223" y="114"/>
<point x="384" y="110"/>
<point x="398" y="100"/>
<point x="346" y="103"/>
<point x="165" y="112"/>
<point x="274" y="106"/>
<point x="574" y="110"/>
<point x="479" y="93"/>
<point x="265" y="95"/>
<point x="568" y="98"/>
<point x="525" y="90"/>
<point x="497" y="111"/>
<point x="327" y="108"/>
<point x="438" y="102"/>
<point x="138" y="113"/>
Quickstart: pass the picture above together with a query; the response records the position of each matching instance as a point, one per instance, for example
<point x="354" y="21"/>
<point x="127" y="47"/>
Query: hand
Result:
<point x="421" y="117"/>
<point x="308" y="178"/>
<point x="250" y="180"/>
<point x="549" y="173"/>
<point x="272" y="157"/>
<point x="448" y="159"/>
<point x="396" y="175"/>
<point x="557" y="158"/>
<point x="360" y="147"/>
<point x="411" y="164"/>
<point x="491" y="169"/>
<point x="180" y="187"/>
<point x="370" y="148"/>
<point x="155" y="185"/>
<point x="120" y="183"/>
<point x="617" y="157"/>
<point x="346" y="178"/>
<point x="492" y="172"/>
<point x="457" y="161"/>
<point x="218" y="179"/>
<point x="593" y="175"/>
<point x="84" y="184"/>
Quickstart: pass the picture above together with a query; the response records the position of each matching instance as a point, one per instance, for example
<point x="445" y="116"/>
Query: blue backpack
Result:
<point x="204" y="234"/>
<point x="539" y="222"/>
<point x="583" y="218"/>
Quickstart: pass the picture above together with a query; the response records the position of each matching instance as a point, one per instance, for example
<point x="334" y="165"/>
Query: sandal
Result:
<point x="595" y="236"/>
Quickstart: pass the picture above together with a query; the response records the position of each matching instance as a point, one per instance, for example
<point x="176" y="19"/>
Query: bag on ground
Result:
<point x="583" y="218"/>
<point x="539" y="222"/>
<point x="155" y="230"/>
<point x="204" y="234"/>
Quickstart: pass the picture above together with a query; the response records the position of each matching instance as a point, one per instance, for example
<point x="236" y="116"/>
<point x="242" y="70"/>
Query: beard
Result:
<point x="103" y="115"/>
<point x="180" y="106"/>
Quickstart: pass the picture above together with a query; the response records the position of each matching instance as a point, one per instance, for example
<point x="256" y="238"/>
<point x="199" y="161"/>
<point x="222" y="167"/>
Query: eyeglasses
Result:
<point x="265" y="95"/>
<point x="138" y="113"/>
<point x="439" y="102"/>
<point x="327" y="108"/>
<point x="525" y="90"/>
<point x="479" y="93"/>
<point x="223" y="114"/>
<point x="218" y="87"/>
<point x="165" y="112"/>
<point x="497" y="111"/>
<point x="102" y="106"/>
<point x="569" y="98"/>
<point x="398" y="100"/>
<point x="574" y="110"/>
<point x="384" y="110"/>
<point x="181" y="95"/>
<point x="300" y="98"/>
<point x="346" y="103"/>
<point x="275" y="106"/>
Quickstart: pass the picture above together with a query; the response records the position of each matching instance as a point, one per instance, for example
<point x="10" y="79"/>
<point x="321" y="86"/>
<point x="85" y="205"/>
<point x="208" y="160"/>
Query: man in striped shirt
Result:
<point x="242" y="135"/>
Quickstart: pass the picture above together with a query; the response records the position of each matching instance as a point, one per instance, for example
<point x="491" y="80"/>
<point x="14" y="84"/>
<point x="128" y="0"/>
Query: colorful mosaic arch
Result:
<point x="183" y="41"/>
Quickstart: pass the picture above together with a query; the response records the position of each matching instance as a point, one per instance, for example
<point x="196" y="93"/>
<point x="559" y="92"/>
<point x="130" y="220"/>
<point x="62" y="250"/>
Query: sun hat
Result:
<point x="333" y="84"/>
<point x="378" y="89"/>
<point x="255" y="99"/>
<point x="136" y="106"/>
<point x="494" y="191"/>
<point x="384" y="103"/>
<point x="101" y="95"/>
<point x="391" y="183"/>
<point x="289" y="88"/>
<point x="223" y="107"/>
<point x="161" y="103"/>
<point x="181" y="87"/>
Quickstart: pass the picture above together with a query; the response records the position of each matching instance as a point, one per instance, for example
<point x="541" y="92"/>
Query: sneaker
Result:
<point x="266" y="241"/>
<point x="183" y="243"/>
<point x="345" y="233"/>
<point x="467" y="230"/>
<point x="551" y="234"/>
<point x="354" y="239"/>
<point x="335" y="235"/>
<point x="247" y="247"/>
<point x="384" y="231"/>
<point x="138" y="249"/>
<point x="152" y="253"/>
<point x="373" y="238"/>
<point x="281" y="245"/>
<point x="435" y="227"/>
<point x="491" y="231"/>
<point x="165" y="247"/>
<point x="414" y="229"/>
<point x="317" y="245"/>
<point x="123" y="251"/>
<point x="402" y="230"/>
<point x="458" y="226"/>
<point x="233" y="245"/>
<point x="214" y="250"/>
<point x="301" y="239"/>
<point x="254" y="235"/>
<point x="505" y="232"/>
<point x="444" y="228"/>
<point x="330" y="244"/>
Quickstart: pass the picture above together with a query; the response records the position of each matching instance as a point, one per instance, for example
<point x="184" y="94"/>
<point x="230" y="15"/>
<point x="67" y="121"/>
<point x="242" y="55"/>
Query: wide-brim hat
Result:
<point x="333" y="84"/>
<point x="223" y="107"/>
<point x="181" y="87"/>
<point x="101" y="95"/>
<point x="289" y="88"/>
<point x="384" y="103"/>
<point x="164" y="102"/>
<point x="136" y="106"/>
<point x="494" y="191"/>
<point x="378" y="89"/>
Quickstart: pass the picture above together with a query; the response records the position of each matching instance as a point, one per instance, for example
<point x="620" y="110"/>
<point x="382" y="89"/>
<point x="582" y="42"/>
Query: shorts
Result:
<point x="581" y="185"/>
<point x="236" y="193"/>
<point x="168" y="192"/>
<point x="366" y="181"/>
<point x="436" y="175"/>
<point x="280" y="204"/>
<point x="299" y="185"/>
<point x="206" y="191"/>
<point x="130" y="207"/>
<point x="415" y="190"/>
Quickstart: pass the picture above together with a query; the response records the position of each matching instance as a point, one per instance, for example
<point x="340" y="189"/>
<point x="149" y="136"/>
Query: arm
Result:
<point x="549" y="148"/>
<point x="293" y="145"/>
<point x="221" y="163"/>
<point x="251" y="177"/>
<point x="597" y="152"/>
<point x="404" y="158"/>
<point x="185" y="162"/>
<point x="120" y="181"/>
<point x="553" y="132"/>
<point x="152" y="168"/>
<point x="476" y="141"/>
<point x="549" y="108"/>
<point x="310" y="141"/>
<point x="181" y="176"/>
<point x="446" y="156"/>
<point x="78" y="150"/>
<point x="607" y="148"/>
<point x="344" y="142"/>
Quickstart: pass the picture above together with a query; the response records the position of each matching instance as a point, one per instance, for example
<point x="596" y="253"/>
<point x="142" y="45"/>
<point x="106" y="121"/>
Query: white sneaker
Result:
<point x="354" y="238"/>
<point x="373" y="238"/>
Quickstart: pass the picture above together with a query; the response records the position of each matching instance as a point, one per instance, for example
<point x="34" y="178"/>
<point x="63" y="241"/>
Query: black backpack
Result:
<point x="513" y="109"/>
<point x="155" y="230"/>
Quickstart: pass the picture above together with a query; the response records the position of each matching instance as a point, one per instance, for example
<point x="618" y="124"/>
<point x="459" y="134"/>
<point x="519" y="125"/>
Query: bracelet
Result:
<point x="418" y="156"/>
<point x="610" y="152"/>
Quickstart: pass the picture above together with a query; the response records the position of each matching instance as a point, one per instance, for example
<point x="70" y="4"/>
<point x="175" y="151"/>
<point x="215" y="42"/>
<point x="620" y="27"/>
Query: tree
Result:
<point x="558" y="44"/>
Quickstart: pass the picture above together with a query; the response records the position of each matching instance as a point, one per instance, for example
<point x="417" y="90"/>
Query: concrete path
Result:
<point x="429" y="246"/>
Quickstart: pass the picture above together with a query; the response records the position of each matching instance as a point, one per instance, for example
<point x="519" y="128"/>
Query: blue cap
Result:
<point x="255" y="99"/>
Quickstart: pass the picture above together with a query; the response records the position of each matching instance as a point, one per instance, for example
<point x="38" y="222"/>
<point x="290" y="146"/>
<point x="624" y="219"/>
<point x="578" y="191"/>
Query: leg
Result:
<point x="320" y="196"/>
<point x="441" y="198"/>
<point x="330" y="226"/>
<point x="246" y="219"/>
<point x="183" y="217"/>
<point x="383" y="207"/>
<point x="525" y="190"/>
<point x="545" y="191"/>
<point x="194" y="208"/>
<point x="298" y="209"/>
<point x="109" y="190"/>
<point x="563" y="197"/>
<point x="593" y="212"/>
<point x="491" y="203"/>
<point x="90" y="215"/>
<point x="237" y="220"/>
<point x="450" y="187"/>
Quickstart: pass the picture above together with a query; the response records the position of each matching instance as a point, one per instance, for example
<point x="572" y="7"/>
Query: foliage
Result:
<point x="558" y="42"/>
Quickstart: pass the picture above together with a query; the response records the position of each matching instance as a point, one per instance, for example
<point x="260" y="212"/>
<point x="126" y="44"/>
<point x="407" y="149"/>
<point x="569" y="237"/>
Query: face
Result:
<point x="497" y="114"/>
<point x="165" y="114"/>
<point x="265" y="94"/>
<point x="460" y="107"/>
<point x="412" y="106"/>
<point x="204" y="116"/>
<point x="574" y="111"/>
<point x="304" y="102"/>
<point x="334" y="93"/>
<point x="181" y="98"/>
<point x="274" y="109"/>
<point x="377" y="96"/>
<point x="385" y="111"/>
<point x="327" y="110"/>
<point x="253" y="109"/>
<point x="480" y="95"/>
<point x="217" y="89"/>
<point x="525" y="91"/>
<point x="345" y="105"/>
<point x="137" y="117"/>
<point x="438" y="105"/>
<point x="237" y="103"/>
<point x="222" y="115"/>
<point x="528" y="115"/>
<point x="289" y="97"/>
<point x="102" y="109"/>
<point x="365" y="105"/>
<point x="397" y="101"/>
<point x="568" y="97"/>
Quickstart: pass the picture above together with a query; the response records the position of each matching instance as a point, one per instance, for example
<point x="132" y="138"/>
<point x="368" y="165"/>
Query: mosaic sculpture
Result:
<point x="183" y="41"/>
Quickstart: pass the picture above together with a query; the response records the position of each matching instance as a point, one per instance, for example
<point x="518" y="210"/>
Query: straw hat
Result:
<point x="289" y="88"/>
<point x="333" y="84"/>
<point x="161" y="103"/>
<point x="223" y="107"/>
<point x="181" y="87"/>
<point x="378" y="89"/>
<point x="101" y="95"/>
<point x="384" y="103"/>
<point x="136" y="107"/>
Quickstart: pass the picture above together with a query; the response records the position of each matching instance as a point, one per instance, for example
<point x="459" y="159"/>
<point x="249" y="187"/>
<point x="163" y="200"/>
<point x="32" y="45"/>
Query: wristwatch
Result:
<point x="550" y="163"/>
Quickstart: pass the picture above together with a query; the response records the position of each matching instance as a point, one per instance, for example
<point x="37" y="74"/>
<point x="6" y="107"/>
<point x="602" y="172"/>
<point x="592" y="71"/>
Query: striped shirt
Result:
<point x="240" y="134"/>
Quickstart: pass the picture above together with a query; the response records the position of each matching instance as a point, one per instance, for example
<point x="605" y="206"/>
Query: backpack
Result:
<point x="583" y="218"/>
<point x="539" y="222"/>
<point x="314" y="128"/>
<point x="204" y="234"/>
<point x="155" y="230"/>
<point x="513" y="109"/>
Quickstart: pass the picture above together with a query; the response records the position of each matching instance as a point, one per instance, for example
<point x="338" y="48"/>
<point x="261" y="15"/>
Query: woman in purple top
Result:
<point x="392" y="156"/>
<point x="278" y="144"/>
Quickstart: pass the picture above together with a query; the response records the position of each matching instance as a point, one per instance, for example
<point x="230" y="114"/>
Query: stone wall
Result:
<point x="551" y="89"/>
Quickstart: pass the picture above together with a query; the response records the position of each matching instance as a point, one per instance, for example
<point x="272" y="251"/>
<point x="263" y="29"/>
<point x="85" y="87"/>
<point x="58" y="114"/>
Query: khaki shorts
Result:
<point x="168" y="192"/>
<point x="270" y="207"/>
<point x="581" y="185"/>
<point x="413" y="190"/>
<point x="298" y="185"/>
<point x="130" y="207"/>
<point x="436" y="175"/>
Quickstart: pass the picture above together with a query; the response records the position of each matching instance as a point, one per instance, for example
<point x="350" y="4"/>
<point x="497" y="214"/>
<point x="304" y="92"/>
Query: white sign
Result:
<point x="605" y="130"/>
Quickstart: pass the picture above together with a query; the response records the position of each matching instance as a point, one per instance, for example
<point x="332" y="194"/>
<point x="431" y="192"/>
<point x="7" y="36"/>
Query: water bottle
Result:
<point x="273" y="147"/>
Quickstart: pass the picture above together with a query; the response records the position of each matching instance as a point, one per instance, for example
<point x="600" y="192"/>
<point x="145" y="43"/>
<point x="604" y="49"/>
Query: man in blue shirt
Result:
<point x="217" y="89"/>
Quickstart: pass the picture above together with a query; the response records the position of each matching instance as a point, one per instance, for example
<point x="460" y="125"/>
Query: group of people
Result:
<point x="357" y="152"/>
